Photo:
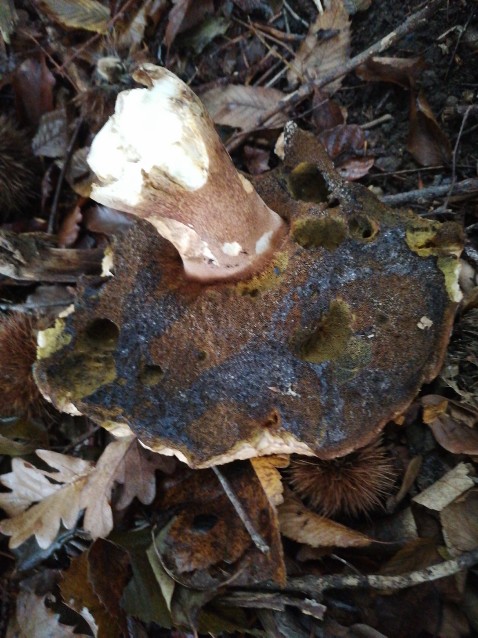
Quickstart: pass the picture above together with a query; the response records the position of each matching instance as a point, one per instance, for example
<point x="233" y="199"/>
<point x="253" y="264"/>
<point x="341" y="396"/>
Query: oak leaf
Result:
<point x="41" y="500"/>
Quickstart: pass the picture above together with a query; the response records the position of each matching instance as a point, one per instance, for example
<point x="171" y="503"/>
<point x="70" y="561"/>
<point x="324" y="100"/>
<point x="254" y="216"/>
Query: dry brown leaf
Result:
<point x="304" y="526"/>
<point x="455" y="482"/>
<point x="77" y="14"/>
<point x="325" y="47"/>
<point x="401" y="71"/>
<point x="451" y="425"/>
<point x="241" y="106"/>
<point x="460" y="523"/>
<point x="78" y="485"/>
<point x="33" y="85"/>
<point x="428" y="144"/>
<point x="35" y="619"/>
<point x="266" y="468"/>
<point x="51" y="138"/>
<point x="326" y="114"/>
<point x="355" y="167"/>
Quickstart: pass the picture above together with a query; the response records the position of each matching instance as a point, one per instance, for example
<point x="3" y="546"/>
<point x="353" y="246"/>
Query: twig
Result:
<point x="316" y="585"/>
<point x="455" y="153"/>
<point x="291" y="100"/>
<point x="61" y="177"/>
<point x="420" y="195"/>
<point x="257" y="539"/>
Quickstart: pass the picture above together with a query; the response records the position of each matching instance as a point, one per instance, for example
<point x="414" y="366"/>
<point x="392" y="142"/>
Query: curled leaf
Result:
<point x="77" y="14"/>
<point x="427" y="142"/>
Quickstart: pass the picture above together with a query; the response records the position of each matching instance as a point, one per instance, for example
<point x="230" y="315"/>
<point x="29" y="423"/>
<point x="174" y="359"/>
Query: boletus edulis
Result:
<point x="290" y="312"/>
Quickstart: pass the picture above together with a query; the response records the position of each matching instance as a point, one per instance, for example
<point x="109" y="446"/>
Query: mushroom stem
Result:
<point x="160" y="158"/>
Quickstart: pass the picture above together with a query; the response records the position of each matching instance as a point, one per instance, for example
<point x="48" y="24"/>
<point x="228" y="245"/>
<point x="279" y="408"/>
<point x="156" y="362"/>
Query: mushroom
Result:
<point x="292" y="312"/>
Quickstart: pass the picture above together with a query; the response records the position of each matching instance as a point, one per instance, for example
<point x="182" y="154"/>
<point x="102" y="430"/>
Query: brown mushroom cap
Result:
<point x="314" y="355"/>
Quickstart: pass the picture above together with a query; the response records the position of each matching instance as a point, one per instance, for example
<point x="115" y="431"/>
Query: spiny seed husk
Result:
<point x="18" y="178"/>
<point x="18" y="391"/>
<point x="349" y="486"/>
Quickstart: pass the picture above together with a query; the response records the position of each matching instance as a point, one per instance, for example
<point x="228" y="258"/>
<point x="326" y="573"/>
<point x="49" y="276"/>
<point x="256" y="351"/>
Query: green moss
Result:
<point x="328" y="341"/>
<point x="312" y="232"/>
<point x="420" y="238"/>
<point x="269" y="278"/>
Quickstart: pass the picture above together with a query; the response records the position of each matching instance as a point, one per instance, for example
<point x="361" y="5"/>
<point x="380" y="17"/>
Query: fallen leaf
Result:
<point x="203" y="543"/>
<point x="78" y="485"/>
<point x="460" y="523"/>
<point x="77" y="14"/>
<point x="34" y="619"/>
<point x="325" y="47"/>
<point x="327" y="113"/>
<point x="452" y="432"/>
<point x="401" y="71"/>
<point x="175" y="20"/>
<point x="95" y="581"/>
<point x="241" y="106"/>
<point x="304" y="526"/>
<point x="51" y="138"/>
<point x="416" y="554"/>
<point x="355" y="168"/>
<point x="204" y="34"/>
<point x="33" y="84"/>
<point x="448" y="488"/>
<point x="427" y="142"/>
<point x="345" y="138"/>
<point x="8" y="20"/>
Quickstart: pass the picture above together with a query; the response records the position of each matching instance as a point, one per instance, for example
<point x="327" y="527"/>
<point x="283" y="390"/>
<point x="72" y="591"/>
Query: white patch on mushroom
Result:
<point x="151" y="128"/>
<point x="425" y="323"/>
<point x="248" y="187"/>
<point x="264" y="242"/>
<point x="232" y="248"/>
<point x="107" y="263"/>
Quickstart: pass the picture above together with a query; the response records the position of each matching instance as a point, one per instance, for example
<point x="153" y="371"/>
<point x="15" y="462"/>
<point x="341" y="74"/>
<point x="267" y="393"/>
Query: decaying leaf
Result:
<point x="51" y="139"/>
<point x="184" y="15"/>
<point x="77" y="14"/>
<point x="33" y="84"/>
<point x="327" y="113"/>
<point x="455" y="427"/>
<point x="401" y="71"/>
<point x="95" y="581"/>
<point x="448" y="488"/>
<point x="35" y="619"/>
<point x="241" y="106"/>
<point x="325" y="47"/>
<point x="203" y="543"/>
<point x="460" y="523"/>
<point x="427" y="142"/>
<point x="77" y="485"/>
<point x="304" y="526"/>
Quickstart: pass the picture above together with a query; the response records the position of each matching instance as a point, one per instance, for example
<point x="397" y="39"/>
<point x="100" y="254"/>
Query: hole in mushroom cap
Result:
<point x="203" y="523"/>
<point x="151" y="375"/>
<point x="363" y="227"/>
<point x="312" y="232"/>
<point x="103" y="333"/>
<point x="306" y="183"/>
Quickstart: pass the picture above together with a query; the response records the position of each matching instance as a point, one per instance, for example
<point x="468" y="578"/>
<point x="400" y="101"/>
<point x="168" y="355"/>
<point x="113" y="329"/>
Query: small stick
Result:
<point x="467" y="186"/>
<point x="257" y="539"/>
<point x="455" y="153"/>
<point x="411" y="24"/>
<point x="61" y="177"/>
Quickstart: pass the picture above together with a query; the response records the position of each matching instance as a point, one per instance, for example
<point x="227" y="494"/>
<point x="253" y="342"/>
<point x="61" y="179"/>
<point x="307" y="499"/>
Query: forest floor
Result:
<point x="116" y="540"/>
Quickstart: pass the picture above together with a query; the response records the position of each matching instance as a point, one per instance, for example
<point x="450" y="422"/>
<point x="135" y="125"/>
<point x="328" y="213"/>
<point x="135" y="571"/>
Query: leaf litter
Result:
<point x="166" y="561"/>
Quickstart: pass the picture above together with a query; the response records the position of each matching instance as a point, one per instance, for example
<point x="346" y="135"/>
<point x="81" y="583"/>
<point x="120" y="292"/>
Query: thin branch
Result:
<point x="421" y="195"/>
<point x="316" y="585"/>
<point x="289" y="101"/>
<point x="259" y="542"/>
